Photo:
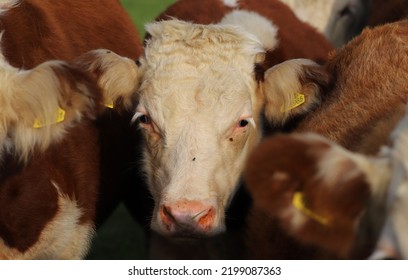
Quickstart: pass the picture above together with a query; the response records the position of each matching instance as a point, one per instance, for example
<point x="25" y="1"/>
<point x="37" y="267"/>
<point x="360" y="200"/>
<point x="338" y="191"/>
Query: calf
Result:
<point x="311" y="186"/>
<point x="339" y="20"/>
<point x="204" y="88"/>
<point x="59" y="176"/>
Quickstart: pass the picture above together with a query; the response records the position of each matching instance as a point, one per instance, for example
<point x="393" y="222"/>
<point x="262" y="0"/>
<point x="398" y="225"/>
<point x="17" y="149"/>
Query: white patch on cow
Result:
<point x="338" y="20"/>
<point x="197" y="86"/>
<point x="317" y="13"/>
<point x="231" y="3"/>
<point x="376" y="170"/>
<point x="6" y="5"/>
<point x="254" y="23"/>
<point x="62" y="238"/>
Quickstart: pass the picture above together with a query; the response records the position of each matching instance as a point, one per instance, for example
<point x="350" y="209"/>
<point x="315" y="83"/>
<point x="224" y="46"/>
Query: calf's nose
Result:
<point x="187" y="215"/>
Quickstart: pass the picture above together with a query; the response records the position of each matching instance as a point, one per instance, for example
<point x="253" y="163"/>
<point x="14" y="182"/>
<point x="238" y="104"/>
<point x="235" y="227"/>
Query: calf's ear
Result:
<point x="42" y="103"/>
<point x="292" y="88"/>
<point x="118" y="77"/>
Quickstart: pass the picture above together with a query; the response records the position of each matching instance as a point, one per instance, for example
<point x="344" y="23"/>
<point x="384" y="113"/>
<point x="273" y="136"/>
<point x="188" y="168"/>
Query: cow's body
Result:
<point x="52" y="192"/>
<point x="339" y="20"/>
<point x="366" y="100"/>
<point x="199" y="120"/>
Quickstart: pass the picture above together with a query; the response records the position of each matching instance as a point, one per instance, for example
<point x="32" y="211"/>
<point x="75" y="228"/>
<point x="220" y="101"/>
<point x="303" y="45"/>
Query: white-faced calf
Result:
<point x="204" y="89"/>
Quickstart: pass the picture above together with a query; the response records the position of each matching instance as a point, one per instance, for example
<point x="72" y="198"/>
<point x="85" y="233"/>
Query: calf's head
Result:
<point x="199" y="107"/>
<point x="321" y="193"/>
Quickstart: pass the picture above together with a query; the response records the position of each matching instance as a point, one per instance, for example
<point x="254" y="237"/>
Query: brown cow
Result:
<point x="204" y="90"/>
<point x="57" y="163"/>
<point x="306" y="188"/>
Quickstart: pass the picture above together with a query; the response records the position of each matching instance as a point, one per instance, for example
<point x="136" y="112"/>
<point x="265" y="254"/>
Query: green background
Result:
<point x="120" y="237"/>
<point x="143" y="11"/>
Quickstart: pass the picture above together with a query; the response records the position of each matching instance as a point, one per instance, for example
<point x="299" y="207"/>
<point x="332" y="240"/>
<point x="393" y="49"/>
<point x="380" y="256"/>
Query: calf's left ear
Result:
<point x="292" y="88"/>
<point x="117" y="76"/>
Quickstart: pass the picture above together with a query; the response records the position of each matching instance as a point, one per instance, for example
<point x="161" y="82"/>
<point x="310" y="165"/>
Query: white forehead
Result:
<point x="191" y="66"/>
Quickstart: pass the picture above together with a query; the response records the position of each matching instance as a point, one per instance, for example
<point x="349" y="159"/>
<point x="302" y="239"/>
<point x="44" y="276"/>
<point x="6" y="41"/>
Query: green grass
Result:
<point x="144" y="11"/>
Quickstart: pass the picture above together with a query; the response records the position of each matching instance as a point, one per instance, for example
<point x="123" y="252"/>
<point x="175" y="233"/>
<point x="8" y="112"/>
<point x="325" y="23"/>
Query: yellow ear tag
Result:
<point x="297" y="101"/>
<point x="60" y="118"/>
<point x="109" y="104"/>
<point x="298" y="201"/>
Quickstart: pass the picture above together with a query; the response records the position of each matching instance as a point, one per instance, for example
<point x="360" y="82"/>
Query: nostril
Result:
<point x="205" y="218"/>
<point x="166" y="216"/>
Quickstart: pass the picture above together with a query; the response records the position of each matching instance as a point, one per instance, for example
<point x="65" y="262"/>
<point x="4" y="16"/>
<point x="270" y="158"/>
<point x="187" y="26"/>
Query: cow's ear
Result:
<point x="118" y="77"/>
<point x="41" y="104"/>
<point x="292" y="88"/>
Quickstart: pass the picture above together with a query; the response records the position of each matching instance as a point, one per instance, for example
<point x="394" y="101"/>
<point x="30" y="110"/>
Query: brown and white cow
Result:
<point x="339" y="20"/>
<point x="317" y="191"/>
<point x="53" y="153"/>
<point x="204" y="88"/>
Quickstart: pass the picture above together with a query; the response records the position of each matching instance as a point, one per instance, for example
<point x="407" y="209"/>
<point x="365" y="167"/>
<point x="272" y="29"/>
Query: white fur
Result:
<point x="315" y="12"/>
<point x="328" y="18"/>
<point x="27" y="95"/>
<point x="255" y="24"/>
<point x="8" y="4"/>
<point x="62" y="238"/>
<point x="198" y="84"/>
<point x="231" y="3"/>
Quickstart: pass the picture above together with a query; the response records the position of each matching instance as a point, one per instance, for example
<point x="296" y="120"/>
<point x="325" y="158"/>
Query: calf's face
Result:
<point x="199" y="111"/>
<point x="199" y="108"/>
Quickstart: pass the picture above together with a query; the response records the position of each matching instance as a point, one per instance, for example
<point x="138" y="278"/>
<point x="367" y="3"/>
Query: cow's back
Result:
<point x="48" y="29"/>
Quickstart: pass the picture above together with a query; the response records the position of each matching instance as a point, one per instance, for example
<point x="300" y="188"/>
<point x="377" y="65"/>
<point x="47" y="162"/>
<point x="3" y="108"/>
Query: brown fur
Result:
<point x="370" y="84"/>
<point x="89" y="164"/>
<point x="273" y="183"/>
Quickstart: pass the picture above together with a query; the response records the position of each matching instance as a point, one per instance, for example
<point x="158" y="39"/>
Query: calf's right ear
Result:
<point x="293" y="87"/>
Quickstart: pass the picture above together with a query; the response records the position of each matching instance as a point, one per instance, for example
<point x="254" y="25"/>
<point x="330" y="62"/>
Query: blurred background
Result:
<point x="120" y="238"/>
<point x="143" y="11"/>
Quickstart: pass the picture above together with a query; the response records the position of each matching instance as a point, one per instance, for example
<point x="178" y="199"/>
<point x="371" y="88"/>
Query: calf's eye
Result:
<point x="144" y="119"/>
<point x="243" y="123"/>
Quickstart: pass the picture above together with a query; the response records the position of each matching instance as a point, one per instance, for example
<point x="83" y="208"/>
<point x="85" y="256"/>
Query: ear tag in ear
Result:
<point x="298" y="201"/>
<point x="109" y="104"/>
<point x="60" y="118"/>
<point x="297" y="101"/>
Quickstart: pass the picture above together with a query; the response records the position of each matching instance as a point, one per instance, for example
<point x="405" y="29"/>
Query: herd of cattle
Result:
<point x="249" y="129"/>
